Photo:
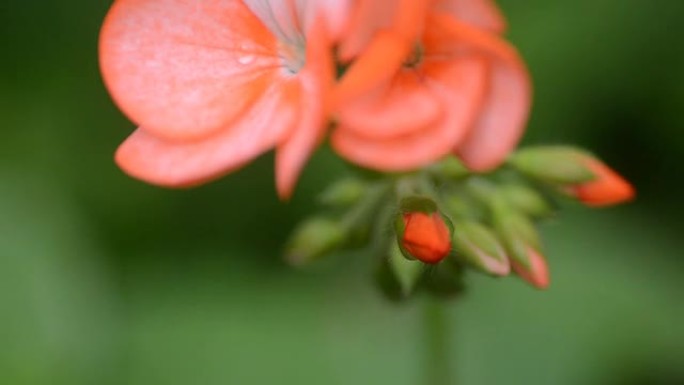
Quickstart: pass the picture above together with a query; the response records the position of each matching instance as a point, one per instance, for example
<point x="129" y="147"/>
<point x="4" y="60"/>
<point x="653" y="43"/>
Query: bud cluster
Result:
<point x="447" y="220"/>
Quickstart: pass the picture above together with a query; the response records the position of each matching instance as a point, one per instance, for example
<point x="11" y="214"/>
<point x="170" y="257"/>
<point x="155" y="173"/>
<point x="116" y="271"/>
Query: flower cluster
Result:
<point x="484" y="222"/>
<point x="395" y="84"/>
<point x="427" y="92"/>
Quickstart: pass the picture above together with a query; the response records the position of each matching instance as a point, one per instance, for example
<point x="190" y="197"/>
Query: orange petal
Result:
<point x="316" y="80"/>
<point x="382" y="49"/>
<point x="185" y="69"/>
<point x="365" y="19"/>
<point x="409" y="18"/>
<point x="402" y="107"/>
<point x="458" y="84"/>
<point x="480" y="13"/>
<point x="381" y="61"/>
<point x="505" y="113"/>
<point x="184" y="164"/>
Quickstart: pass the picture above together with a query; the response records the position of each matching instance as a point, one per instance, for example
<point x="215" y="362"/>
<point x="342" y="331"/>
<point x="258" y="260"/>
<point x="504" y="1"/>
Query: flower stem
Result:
<point x="437" y="358"/>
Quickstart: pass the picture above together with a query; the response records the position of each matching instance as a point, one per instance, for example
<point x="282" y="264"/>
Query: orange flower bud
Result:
<point x="537" y="271"/>
<point x="426" y="236"/>
<point x="607" y="187"/>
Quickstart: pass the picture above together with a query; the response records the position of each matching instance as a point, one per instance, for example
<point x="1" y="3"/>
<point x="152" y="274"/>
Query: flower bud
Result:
<point x="425" y="237"/>
<point x="553" y="164"/>
<point x="480" y="247"/>
<point x="522" y="244"/>
<point x="607" y="187"/>
<point x="450" y="168"/>
<point x="526" y="200"/>
<point x="313" y="239"/>
<point x="534" y="270"/>
<point x="423" y="233"/>
<point x="344" y="192"/>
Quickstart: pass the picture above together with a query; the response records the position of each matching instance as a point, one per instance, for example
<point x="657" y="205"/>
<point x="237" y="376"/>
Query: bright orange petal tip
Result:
<point x="608" y="188"/>
<point x="537" y="273"/>
<point x="426" y="236"/>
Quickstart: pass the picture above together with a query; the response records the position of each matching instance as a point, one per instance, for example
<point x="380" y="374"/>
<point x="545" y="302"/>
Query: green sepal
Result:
<point x="407" y="272"/>
<point x="417" y="203"/>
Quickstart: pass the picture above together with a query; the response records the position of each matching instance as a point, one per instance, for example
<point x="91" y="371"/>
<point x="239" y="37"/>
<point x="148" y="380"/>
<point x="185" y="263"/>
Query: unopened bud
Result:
<point x="313" y="239"/>
<point x="344" y="192"/>
<point x="526" y="200"/>
<point x="423" y="233"/>
<point x="553" y="164"/>
<point x="607" y="188"/>
<point x="535" y="269"/>
<point x="480" y="247"/>
<point x="522" y="244"/>
<point x="451" y="168"/>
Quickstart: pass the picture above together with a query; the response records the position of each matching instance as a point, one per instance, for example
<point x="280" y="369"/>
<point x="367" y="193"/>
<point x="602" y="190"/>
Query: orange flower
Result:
<point x="607" y="188"/>
<point x="426" y="237"/>
<point x="436" y="78"/>
<point x="215" y="83"/>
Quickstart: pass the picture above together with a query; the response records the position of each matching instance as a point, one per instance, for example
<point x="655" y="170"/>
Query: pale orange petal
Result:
<point x="505" y="113"/>
<point x="185" y="69"/>
<point x="366" y="19"/>
<point x="459" y="86"/>
<point x="401" y="107"/>
<point x="480" y="13"/>
<point x="184" y="164"/>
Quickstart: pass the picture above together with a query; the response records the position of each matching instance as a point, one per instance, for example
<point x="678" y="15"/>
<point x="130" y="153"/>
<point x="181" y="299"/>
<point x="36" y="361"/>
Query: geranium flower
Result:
<point x="415" y="94"/>
<point x="215" y="83"/>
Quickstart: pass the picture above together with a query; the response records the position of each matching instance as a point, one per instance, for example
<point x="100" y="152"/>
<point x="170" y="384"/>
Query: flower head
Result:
<point x="212" y="84"/>
<point x="451" y="84"/>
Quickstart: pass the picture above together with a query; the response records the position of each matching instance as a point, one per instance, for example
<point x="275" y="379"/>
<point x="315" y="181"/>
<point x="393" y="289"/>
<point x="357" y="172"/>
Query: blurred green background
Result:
<point x="105" y="280"/>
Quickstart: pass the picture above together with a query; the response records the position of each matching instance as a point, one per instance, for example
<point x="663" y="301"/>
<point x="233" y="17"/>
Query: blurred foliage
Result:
<point x="105" y="280"/>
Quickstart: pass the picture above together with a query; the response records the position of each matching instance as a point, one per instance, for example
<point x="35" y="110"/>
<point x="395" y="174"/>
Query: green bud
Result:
<point x="553" y="164"/>
<point x="313" y="239"/>
<point x="517" y="232"/>
<point x="462" y="206"/>
<point x="526" y="200"/>
<point x="481" y="248"/>
<point x="450" y="168"/>
<point x="344" y="192"/>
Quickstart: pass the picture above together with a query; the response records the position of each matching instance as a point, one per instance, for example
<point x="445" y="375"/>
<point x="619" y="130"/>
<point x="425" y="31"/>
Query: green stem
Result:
<point x="437" y="358"/>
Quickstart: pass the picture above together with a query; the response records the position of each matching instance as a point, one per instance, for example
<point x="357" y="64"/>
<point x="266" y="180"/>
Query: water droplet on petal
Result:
<point x="246" y="59"/>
